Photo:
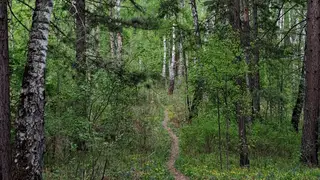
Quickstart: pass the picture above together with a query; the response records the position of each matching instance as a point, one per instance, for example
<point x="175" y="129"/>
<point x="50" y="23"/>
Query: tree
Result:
<point x="296" y="113"/>
<point x="116" y="33"/>
<point x="5" y="153"/>
<point x="164" y="61"/>
<point x="240" y="81"/>
<point x="80" y="8"/>
<point x="254" y="66"/>
<point x="29" y="134"/>
<point x="309" y="145"/>
<point x="198" y="93"/>
<point x="119" y="35"/>
<point x="172" y="67"/>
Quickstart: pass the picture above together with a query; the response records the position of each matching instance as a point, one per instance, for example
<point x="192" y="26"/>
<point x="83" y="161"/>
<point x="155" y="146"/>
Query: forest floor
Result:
<point x="174" y="151"/>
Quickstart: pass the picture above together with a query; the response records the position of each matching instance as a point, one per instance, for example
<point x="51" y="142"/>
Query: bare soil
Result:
<point x="174" y="152"/>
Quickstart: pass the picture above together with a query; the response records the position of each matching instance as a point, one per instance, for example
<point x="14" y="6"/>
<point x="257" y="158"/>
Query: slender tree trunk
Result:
<point x="164" y="62"/>
<point x="309" y="146"/>
<point x="219" y="130"/>
<point x="225" y="96"/>
<point x="81" y="60"/>
<point x="81" y="36"/>
<point x="244" y="153"/>
<point x="119" y="34"/>
<point x="173" y="63"/>
<point x="198" y="93"/>
<point x="245" y="41"/>
<point x="111" y="33"/>
<point x="241" y="82"/>
<point x="29" y="144"/>
<point x="196" y="23"/>
<point x="181" y="64"/>
<point x="255" y="77"/>
<point x="186" y="64"/>
<point x="296" y="113"/>
<point x="5" y="153"/>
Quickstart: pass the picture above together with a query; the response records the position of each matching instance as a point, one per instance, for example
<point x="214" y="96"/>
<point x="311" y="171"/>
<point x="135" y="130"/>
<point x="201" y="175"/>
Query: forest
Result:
<point x="159" y="89"/>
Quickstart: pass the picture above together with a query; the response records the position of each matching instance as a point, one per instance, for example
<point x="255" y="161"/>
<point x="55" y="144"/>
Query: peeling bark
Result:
<point x="119" y="35"/>
<point x="173" y="63"/>
<point x="29" y="134"/>
<point x="164" y="57"/>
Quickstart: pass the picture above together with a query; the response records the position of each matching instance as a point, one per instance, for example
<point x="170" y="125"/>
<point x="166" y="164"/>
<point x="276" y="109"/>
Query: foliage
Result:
<point x="109" y="123"/>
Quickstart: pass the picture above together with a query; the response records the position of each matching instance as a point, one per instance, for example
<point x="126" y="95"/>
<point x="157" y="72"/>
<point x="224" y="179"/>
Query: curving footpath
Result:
<point x="174" y="152"/>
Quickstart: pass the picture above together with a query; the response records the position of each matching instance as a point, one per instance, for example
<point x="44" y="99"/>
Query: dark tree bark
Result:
<point x="241" y="118"/>
<point x="196" y="22"/>
<point x="80" y="17"/>
<point x="255" y="74"/>
<point x="198" y="93"/>
<point x="240" y="104"/>
<point x="5" y="153"/>
<point x="81" y="58"/>
<point x="29" y="135"/>
<point x="296" y="113"/>
<point x="309" y="146"/>
<point x="234" y="6"/>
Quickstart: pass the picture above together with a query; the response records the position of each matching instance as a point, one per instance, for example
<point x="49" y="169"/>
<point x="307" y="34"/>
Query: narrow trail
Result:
<point x="174" y="152"/>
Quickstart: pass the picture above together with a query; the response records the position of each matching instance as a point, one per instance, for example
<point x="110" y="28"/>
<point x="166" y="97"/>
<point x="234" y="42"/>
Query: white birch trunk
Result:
<point x="29" y="135"/>
<point x="181" y="64"/>
<point x="173" y="62"/>
<point x="164" y="57"/>
<point x="112" y="37"/>
<point x="119" y="34"/>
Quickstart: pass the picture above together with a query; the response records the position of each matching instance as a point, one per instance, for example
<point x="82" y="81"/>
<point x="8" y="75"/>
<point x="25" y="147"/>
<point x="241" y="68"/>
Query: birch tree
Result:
<point x="115" y="34"/>
<point x="164" y="61"/>
<point x="29" y="134"/>
<point x="172" y="63"/>
<point x="119" y="34"/>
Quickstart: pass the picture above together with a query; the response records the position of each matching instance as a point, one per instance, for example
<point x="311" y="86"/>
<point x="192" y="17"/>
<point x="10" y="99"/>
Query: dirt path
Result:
<point x="174" y="152"/>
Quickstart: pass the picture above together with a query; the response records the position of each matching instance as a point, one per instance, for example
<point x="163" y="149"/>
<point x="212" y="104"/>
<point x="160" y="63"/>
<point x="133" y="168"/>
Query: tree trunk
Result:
<point x="111" y="34"/>
<point x="198" y="93"/>
<point x="164" y="75"/>
<point x="81" y="36"/>
<point x="245" y="42"/>
<point x="29" y="144"/>
<point x="244" y="154"/>
<point x="296" y="113"/>
<point x="309" y="146"/>
<point x="119" y="35"/>
<point x="173" y="62"/>
<point x="196" y="23"/>
<point x="181" y="64"/>
<point x="5" y="155"/>
<point x="255" y="76"/>
<point x="241" y="81"/>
